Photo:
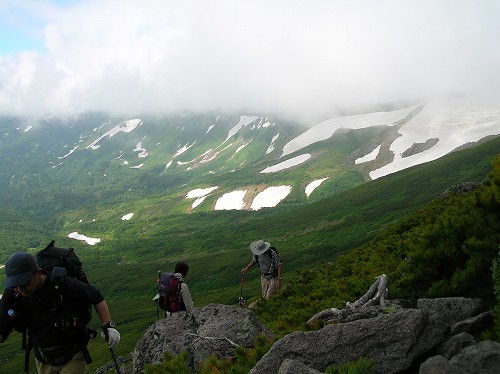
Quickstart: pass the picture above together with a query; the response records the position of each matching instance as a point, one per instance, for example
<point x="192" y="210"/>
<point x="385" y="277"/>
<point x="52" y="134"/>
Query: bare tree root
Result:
<point x="376" y="295"/>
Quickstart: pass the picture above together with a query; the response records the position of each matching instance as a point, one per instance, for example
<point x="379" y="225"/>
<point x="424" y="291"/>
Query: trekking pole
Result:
<point x="114" y="360"/>
<point x="241" y="299"/>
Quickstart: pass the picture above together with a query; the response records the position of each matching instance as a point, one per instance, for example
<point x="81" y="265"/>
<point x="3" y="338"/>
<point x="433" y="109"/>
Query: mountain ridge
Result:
<point x="210" y="152"/>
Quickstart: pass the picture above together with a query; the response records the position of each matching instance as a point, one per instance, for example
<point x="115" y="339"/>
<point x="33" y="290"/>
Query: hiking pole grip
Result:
<point x="114" y="360"/>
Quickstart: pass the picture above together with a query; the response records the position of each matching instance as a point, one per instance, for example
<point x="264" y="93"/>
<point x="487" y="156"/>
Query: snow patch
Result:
<point x="198" y="201"/>
<point x="126" y="127"/>
<point x="231" y="200"/>
<point x="270" y="197"/>
<point x="369" y="157"/>
<point x="140" y="150"/>
<point x="287" y="164"/>
<point x="88" y="240"/>
<point x="184" y="149"/>
<point x="454" y="122"/>
<point x="244" y="121"/>
<point x="67" y="154"/>
<point x="199" y="192"/>
<point x="127" y="217"/>
<point x="313" y="185"/>
<point x="271" y="146"/>
<point x="242" y="146"/>
<point x="326" y="129"/>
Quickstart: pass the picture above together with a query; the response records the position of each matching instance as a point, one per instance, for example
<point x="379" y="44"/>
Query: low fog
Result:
<point x="296" y="58"/>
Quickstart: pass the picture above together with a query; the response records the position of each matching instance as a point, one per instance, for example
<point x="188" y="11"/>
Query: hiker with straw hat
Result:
<point x="267" y="258"/>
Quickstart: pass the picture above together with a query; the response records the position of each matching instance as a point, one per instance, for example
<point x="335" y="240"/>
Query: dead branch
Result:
<point x="215" y="338"/>
<point x="376" y="294"/>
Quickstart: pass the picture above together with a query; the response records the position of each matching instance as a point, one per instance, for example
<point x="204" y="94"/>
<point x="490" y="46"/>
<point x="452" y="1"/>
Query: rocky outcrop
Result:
<point x="439" y="336"/>
<point x="393" y="340"/>
<point x="398" y="340"/>
<point x="213" y="329"/>
<point x="482" y="358"/>
<point x="460" y="188"/>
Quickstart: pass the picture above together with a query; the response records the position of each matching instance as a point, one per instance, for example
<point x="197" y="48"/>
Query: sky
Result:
<point x="299" y="58"/>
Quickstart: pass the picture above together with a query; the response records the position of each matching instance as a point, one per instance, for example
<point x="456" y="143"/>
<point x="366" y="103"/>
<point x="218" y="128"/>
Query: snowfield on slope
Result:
<point x="126" y="126"/>
<point x="326" y="129"/>
<point x="453" y="122"/>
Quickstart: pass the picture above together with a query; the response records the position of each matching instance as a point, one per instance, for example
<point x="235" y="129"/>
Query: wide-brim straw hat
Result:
<point x="259" y="247"/>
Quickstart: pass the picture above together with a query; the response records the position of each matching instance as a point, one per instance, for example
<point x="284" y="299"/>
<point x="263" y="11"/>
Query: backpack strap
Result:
<point x="27" y="353"/>
<point x="86" y="354"/>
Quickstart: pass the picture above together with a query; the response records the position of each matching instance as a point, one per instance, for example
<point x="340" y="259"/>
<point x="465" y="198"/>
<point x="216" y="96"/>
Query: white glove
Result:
<point x="112" y="337"/>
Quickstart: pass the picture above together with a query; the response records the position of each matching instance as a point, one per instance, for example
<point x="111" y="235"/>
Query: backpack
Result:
<point x="169" y="292"/>
<point x="53" y="257"/>
<point x="59" y="263"/>
<point x="274" y="269"/>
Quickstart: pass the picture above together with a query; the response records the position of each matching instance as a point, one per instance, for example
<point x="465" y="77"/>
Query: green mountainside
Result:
<point x="215" y="244"/>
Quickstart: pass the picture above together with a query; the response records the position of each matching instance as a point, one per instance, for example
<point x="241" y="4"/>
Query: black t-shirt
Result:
<point x="42" y="311"/>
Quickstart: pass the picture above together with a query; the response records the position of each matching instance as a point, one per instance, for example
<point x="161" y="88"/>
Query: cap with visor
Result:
<point x="19" y="269"/>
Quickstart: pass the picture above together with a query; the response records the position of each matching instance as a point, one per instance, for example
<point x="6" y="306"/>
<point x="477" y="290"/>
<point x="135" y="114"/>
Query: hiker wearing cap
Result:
<point x="53" y="318"/>
<point x="266" y="257"/>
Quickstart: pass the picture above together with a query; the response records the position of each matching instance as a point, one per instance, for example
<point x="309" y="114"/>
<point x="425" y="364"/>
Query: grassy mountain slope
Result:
<point x="449" y="247"/>
<point x="215" y="244"/>
<point x="446" y="248"/>
<point x="309" y="234"/>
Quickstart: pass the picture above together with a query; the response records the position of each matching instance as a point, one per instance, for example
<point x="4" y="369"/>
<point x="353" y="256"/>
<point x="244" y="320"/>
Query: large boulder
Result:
<point x="452" y="309"/>
<point x="214" y="329"/>
<point x="394" y="341"/>
<point x="455" y="344"/>
<point x="295" y="367"/>
<point x="482" y="358"/>
<point x="473" y="325"/>
<point x="435" y="365"/>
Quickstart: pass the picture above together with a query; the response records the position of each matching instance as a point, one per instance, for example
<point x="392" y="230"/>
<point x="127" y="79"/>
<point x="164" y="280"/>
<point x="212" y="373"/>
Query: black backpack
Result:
<point x="169" y="292"/>
<point x="53" y="257"/>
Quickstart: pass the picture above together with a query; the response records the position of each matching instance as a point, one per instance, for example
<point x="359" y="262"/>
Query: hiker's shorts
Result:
<point x="76" y="365"/>
<point x="268" y="286"/>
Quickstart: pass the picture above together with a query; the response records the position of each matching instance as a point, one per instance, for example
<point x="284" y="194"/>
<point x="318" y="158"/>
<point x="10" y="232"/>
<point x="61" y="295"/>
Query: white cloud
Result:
<point x="295" y="57"/>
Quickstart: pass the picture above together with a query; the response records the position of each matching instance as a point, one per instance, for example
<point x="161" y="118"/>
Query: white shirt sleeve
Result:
<point x="186" y="296"/>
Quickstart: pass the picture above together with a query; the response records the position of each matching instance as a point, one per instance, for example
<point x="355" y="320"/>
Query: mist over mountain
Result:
<point x="208" y="161"/>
